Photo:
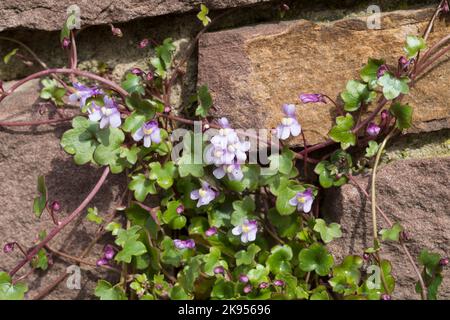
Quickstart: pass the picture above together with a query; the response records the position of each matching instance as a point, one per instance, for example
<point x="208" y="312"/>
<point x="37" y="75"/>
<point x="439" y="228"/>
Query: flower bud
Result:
<point x="158" y="286"/>
<point x="66" y="43"/>
<point x="136" y="71"/>
<point x="180" y="209"/>
<point x="263" y="285"/>
<point x="143" y="43"/>
<point x="167" y="109"/>
<point x="55" y="206"/>
<point x="384" y="114"/>
<point x="445" y="7"/>
<point x="219" y="270"/>
<point x="116" y="32"/>
<point x="9" y="247"/>
<point x="284" y="7"/>
<point x="373" y="129"/>
<point x="102" y="262"/>
<point x="278" y="283"/>
<point x="443" y="262"/>
<point x="381" y="71"/>
<point x="109" y="252"/>
<point x="385" y="296"/>
<point x="211" y="231"/>
<point x="366" y="256"/>
<point x="149" y="76"/>
<point x="248" y="289"/>
<point x="243" y="278"/>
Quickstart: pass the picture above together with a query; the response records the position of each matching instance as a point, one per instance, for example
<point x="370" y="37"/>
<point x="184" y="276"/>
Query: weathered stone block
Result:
<point x="252" y="71"/>
<point x="415" y="193"/>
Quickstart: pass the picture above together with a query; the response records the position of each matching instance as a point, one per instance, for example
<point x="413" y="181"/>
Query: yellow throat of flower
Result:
<point x="202" y="193"/>
<point x="301" y="199"/>
<point x="149" y="131"/>
<point x="287" y="121"/>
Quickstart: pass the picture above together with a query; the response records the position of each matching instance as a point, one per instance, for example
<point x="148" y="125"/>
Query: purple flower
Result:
<point x="303" y="200"/>
<point x="312" y="98"/>
<point x="150" y="132"/>
<point x="211" y="231"/>
<point x="143" y="43"/>
<point x="243" y="278"/>
<point x="83" y="93"/>
<point x="385" y="296"/>
<point x="373" y="129"/>
<point x="263" y="285"/>
<point x="233" y="171"/>
<point x="443" y="262"/>
<point x="278" y="283"/>
<point x="289" y="125"/>
<point x="108" y="252"/>
<point x="180" y="209"/>
<point x="204" y="195"/>
<point x="226" y="135"/>
<point x="136" y="71"/>
<point x="184" y="244"/>
<point x="219" y="270"/>
<point x="384" y="114"/>
<point x="66" y="43"/>
<point x="9" y="247"/>
<point x="381" y="71"/>
<point x="445" y="7"/>
<point x="247" y="289"/>
<point x="247" y="230"/>
<point x="108" y="115"/>
<point x="102" y="262"/>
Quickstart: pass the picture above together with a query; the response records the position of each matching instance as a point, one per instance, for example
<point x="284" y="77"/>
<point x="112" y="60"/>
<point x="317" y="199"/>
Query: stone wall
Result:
<point x="253" y="62"/>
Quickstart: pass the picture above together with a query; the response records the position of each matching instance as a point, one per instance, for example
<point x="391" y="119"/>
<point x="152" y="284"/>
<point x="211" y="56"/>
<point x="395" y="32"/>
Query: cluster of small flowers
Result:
<point x="263" y="285"/>
<point x="184" y="244"/>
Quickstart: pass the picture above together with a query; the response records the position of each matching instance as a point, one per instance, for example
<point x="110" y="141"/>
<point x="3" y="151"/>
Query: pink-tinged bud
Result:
<point x="284" y="7"/>
<point x="445" y="7"/>
<point x="312" y="98"/>
<point x="167" y="109"/>
<point x="385" y="296"/>
<point x="211" y="231"/>
<point x="263" y="285"/>
<point x="149" y="76"/>
<point x="66" y="43"/>
<point x="278" y="283"/>
<point x="116" y="32"/>
<point x="366" y="256"/>
<point x="219" y="270"/>
<point x="243" y="278"/>
<point x="136" y="71"/>
<point x="381" y="71"/>
<point x="443" y="262"/>
<point x="180" y="209"/>
<point x="55" y="206"/>
<point x="384" y="114"/>
<point x="402" y="61"/>
<point x="9" y="247"/>
<point x="247" y="289"/>
<point x="373" y="130"/>
<point x="109" y="252"/>
<point x="143" y="43"/>
<point x="158" y="286"/>
<point x="102" y="262"/>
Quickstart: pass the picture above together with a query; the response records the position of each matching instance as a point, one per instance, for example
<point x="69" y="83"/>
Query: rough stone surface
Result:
<point x="252" y="71"/>
<point x="26" y="153"/>
<point x="48" y="14"/>
<point x="416" y="193"/>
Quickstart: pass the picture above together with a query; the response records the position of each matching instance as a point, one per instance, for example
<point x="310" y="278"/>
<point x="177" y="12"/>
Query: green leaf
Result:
<point x="163" y="175"/>
<point x="133" y="83"/>
<point x="171" y="217"/>
<point x="372" y="149"/>
<point x="9" y="291"/>
<point x="278" y="261"/>
<point x="222" y="289"/>
<point x="108" y="152"/>
<point x="258" y="274"/>
<point x="247" y="257"/>
<point x="393" y="86"/>
<point x="203" y="15"/>
<point x="414" y="44"/>
<point x="190" y="273"/>
<point x="355" y="94"/>
<point x="391" y="234"/>
<point x="105" y="291"/>
<point x="141" y="187"/>
<point x="92" y="215"/>
<point x="286" y="226"/>
<point x="40" y="261"/>
<point x="283" y="162"/>
<point x="165" y="51"/>
<point x="316" y="258"/>
<point x="429" y="260"/>
<point x="204" y="102"/>
<point x="9" y="55"/>
<point x="327" y="233"/>
<point x="347" y="275"/>
<point x="52" y="91"/>
<point x="369" y="72"/>
<point x="213" y="260"/>
<point x="40" y="201"/>
<point x="242" y="210"/>
<point x="177" y="293"/>
<point x="129" y="249"/>
<point x="188" y="164"/>
<point x="284" y="195"/>
<point x="342" y="131"/>
<point x="403" y="114"/>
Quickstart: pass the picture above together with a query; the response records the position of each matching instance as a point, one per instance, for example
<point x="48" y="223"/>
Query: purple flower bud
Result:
<point x="55" y="206"/>
<point x="9" y="247"/>
<point x="211" y="231"/>
<point x="402" y="61"/>
<point x="382" y="70"/>
<point x="109" y="252"/>
<point x="278" y="283"/>
<point x="312" y="98"/>
<point x="405" y="235"/>
<point x="158" y="286"/>
<point x="180" y="209"/>
<point x="385" y="296"/>
<point x="102" y="262"/>
<point x="373" y="130"/>
<point x="66" y="43"/>
<point x="366" y="256"/>
<point x="284" y="7"/>
<point x="136" y="71"/>
<point x="143" y="43"/>
<point x="167" y="109"/>
<point x="149" y="76"/>
<point x="219" y="270"/>
<point x="190" y="244"/>
<point x="445" y="7"/>
<point x="384" y="114"/>
<point x="184" y="244"/>
<point x="443" y="262"/>
<point x="247" y="289"/>
<point x="243" y="278"/>
<point x="263" y="285"/>
<point x="116" y="32"/>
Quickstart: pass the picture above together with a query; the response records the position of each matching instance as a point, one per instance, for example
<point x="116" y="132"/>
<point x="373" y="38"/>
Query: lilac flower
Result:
<point x="83" y="93"/>
<point x="247" y="289"/>
<point x="150" y="132"/>
<point x="233" y="171"/>
<point x="247" y="230"/>
<point x="211" y="231"/>
<point x="303" y="200"/>
<point x="108" y="115"/>
<point x="102" y="262"/>
<point x="263" y="285"/>
<point x="219" y="270"/>
<point x="108" y="252"/>
<point x="289" y="125"/>
<point x="226" y="135"/>
<point x="381" y="71"/>
<point x="243" y="278"/>
<point x="9" y="247"/>
<point x="373" y="129"/>
<point x="184" y="244"/>
<point x="204" y="195"/>
<point x="312" y="98"/>
<point x="278" y="283"/>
